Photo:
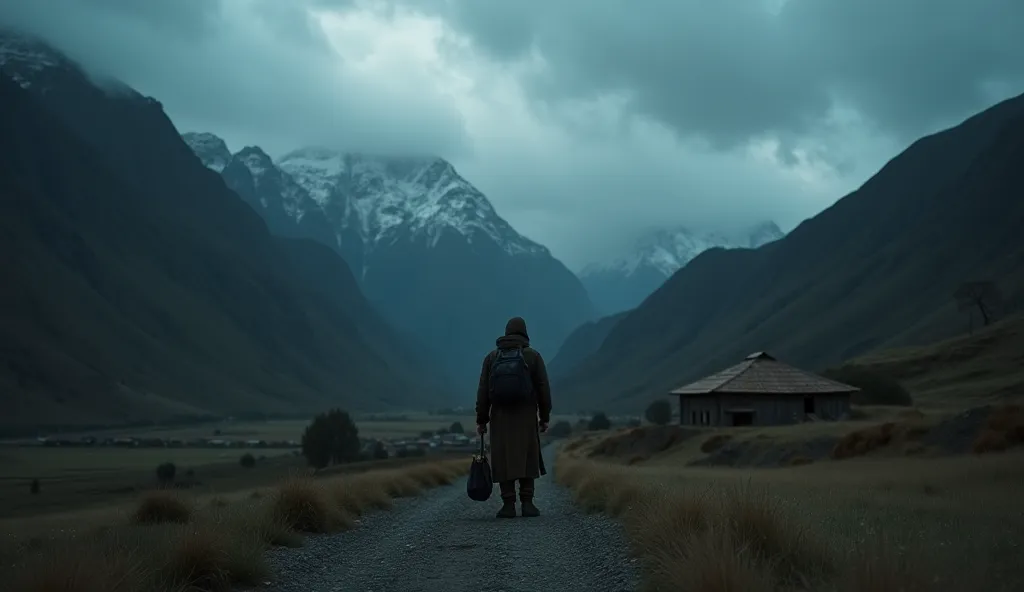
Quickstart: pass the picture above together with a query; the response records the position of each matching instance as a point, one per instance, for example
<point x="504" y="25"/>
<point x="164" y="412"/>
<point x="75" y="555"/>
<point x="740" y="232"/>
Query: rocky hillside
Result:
<point x="877" y="269"/>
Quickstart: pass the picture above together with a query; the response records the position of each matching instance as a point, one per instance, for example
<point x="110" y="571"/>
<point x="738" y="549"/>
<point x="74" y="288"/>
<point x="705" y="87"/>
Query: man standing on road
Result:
<point x="515" y="398"/>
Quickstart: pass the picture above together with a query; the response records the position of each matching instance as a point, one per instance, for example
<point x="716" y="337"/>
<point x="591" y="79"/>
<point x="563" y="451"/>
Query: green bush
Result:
<point x="165" y="473"/>
<point x="331" y="438"/>
<point x="247" y="461"/>
<point x="561" y="429"/>
<point x="600" y="421"/>
<point x="659" y="412"/>
<point x="875" y="388"/>
<point x="456" y="428"/>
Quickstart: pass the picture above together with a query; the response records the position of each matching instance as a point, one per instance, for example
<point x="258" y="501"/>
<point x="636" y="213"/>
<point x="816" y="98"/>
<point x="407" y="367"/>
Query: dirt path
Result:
<point x="442" y="541"/>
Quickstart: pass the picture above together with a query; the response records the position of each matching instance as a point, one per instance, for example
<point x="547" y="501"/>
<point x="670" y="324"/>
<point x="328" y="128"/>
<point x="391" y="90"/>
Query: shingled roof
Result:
<point x="760" y="373"/>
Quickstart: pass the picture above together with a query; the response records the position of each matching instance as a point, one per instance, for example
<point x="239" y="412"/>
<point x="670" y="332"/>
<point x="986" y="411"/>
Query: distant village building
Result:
<point x="762" y="391"/>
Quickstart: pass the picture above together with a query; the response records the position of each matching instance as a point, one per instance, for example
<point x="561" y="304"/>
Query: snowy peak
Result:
<point x="35" y="64"/>
<point x="26" y="59"/>
<point x="386" y="198"/>
<point x="211" y="149"/>
<point x="668" y="249"/>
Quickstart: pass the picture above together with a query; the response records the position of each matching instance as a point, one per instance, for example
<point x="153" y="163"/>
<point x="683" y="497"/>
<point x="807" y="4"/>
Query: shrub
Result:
<point x="332" y="437"/>
<point x="162" y="507"/>
<point x="34" y="488"/>
<point x="875" y="388"/>
<point x="303" y="505"/>
<point x="165" y="473"/>
<point x="247" y="461"/>
<point x="456" y="428"/>
<point x="659" y="412"/>
<point x="379" y="451"/>
<point x="600" y="421"/>
<point x="561" y="429"/>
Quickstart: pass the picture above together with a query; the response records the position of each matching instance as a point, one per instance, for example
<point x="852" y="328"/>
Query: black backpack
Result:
<point x="510" y="383"/>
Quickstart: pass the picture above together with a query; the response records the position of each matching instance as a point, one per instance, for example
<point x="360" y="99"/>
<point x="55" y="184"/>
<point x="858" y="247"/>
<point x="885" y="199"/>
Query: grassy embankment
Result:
<point x="918" y="499"/>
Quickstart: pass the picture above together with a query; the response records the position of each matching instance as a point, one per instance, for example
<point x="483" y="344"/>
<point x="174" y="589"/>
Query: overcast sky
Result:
<point x="584" y="121"/>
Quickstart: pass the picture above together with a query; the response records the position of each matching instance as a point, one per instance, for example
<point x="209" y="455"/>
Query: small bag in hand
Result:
<point x="480" y="484"/>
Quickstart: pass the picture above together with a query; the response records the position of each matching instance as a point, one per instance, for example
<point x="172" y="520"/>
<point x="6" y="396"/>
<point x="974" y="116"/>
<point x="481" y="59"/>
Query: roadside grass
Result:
<point x="808" y="529"/>
<point x="172" y="542"/>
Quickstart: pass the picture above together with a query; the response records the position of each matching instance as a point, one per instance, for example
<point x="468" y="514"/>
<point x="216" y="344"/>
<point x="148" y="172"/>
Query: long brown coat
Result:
<point x="515" y="434"/>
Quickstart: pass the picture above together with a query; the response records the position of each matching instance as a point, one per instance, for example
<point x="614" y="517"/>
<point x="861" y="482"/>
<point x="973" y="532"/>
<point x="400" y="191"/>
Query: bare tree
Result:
<point x="983" y="296"/>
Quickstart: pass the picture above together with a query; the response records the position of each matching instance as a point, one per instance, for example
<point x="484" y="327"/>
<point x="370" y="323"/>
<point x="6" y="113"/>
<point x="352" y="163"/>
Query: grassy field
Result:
<point x="169" y="541"/>
<point x="290" y="429"/>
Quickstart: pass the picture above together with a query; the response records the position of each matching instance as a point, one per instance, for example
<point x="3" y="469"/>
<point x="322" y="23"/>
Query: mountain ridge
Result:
<point x="428" y="248"/>
<point x="130" y="306"/>
<point x="875" y="269"/>
<point x="623" y="283"/>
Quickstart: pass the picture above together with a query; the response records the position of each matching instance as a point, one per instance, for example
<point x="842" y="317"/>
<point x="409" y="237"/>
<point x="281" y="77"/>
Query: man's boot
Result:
<point x="526" y="497"/>
<point x="508" y="510"/>
<point x="508" y="499"/>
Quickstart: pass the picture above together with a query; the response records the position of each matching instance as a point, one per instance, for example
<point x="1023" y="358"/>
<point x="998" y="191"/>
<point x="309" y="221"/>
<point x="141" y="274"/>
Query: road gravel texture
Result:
<point x="444" y="542"/>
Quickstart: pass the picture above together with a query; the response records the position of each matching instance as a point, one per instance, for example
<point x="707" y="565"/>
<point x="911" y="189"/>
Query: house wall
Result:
<point x="699" y="410"/>
<point x="832" y="407"/>
<point x="768" y="409"/>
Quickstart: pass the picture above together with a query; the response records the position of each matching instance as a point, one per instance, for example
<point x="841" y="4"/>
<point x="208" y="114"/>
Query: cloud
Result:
<point x="586" y="122"/>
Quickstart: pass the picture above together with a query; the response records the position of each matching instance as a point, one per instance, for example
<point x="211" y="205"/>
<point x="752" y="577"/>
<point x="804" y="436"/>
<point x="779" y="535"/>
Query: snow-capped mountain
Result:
<point x="623" y="283"/>
<point x="385" y="199"/>
<point x="428" y="247"/>
<point x="210" y="149"/>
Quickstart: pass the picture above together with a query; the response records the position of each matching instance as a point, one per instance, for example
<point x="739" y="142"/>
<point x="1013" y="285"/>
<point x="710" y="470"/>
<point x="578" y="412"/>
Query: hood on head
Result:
<point x="516" y="326"/>
<point x="515" y="334"/>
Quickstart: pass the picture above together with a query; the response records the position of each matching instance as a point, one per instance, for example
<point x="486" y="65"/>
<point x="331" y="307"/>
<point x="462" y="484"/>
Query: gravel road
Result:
<point x="442" y="541"/>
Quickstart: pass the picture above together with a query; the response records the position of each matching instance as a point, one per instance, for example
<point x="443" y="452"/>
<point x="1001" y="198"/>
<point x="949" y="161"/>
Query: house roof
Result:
<point x="760" y="373"/>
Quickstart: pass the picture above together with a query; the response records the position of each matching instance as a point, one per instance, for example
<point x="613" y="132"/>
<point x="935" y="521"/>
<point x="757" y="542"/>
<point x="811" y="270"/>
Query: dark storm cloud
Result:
<point x="258" y="71"/>
<point x="733" y="69"/>
<point x="578" y="118"/>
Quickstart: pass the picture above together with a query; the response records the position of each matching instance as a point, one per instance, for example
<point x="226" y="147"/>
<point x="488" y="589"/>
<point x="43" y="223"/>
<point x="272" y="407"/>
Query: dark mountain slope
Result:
<point x="120" y="303"/>
<point x="582" y="343"/>
<point x="876" y="269"/>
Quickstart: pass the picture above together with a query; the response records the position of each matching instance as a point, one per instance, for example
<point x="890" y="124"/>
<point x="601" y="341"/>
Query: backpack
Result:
<point x="510" y="381"/>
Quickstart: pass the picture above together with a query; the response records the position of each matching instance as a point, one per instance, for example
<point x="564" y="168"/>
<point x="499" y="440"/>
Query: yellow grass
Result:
<point x="860" y="525"/>
<point x="171" y="542"/>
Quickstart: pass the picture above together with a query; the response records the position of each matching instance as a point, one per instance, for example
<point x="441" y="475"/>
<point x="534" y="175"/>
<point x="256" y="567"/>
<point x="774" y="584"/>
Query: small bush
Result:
<point x="659" y="412"/>
<point x="247" y="461"/>
<point x="456" y="428"/>
<point x="380" y="452"/>
<point x="162" y="507"/>
<point x="875" y="388"/>
<point x="34" y="487"/>
<point x="165" y="473"/>
<point x="600" y="421"/>
<point x="561" y="429"/>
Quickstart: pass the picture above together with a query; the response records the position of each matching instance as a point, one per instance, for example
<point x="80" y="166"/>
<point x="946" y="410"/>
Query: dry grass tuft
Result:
<point x="162" y="507"/>
<point x="1003" y="430"/>
<point x="726" y="539"/>
<point x="304" y="505"/>
<point x="714" y="443"/>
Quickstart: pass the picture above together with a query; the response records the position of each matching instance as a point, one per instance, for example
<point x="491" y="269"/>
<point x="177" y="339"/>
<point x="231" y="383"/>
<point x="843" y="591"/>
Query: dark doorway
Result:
<point x="808" y="405"/>
<point x="742" y="418"/>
